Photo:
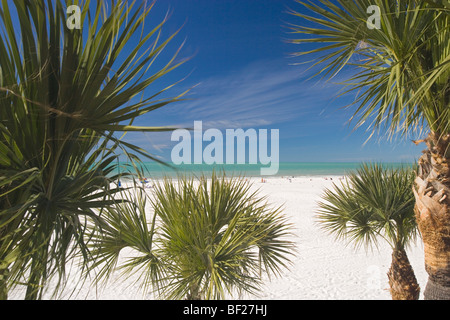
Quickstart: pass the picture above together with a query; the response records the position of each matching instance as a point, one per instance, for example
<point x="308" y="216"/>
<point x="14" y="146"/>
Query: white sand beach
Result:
<point x="322" y="269"/>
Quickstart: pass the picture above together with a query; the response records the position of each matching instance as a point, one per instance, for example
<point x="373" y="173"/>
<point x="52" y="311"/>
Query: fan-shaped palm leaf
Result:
<point x="218" y="236"/>
<point x="213" y="237"/>
<point x="401" y="70"/>
<point x="376" y="203"/>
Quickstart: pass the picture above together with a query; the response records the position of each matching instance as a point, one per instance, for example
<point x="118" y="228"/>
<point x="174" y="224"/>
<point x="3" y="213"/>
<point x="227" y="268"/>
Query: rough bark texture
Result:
<point x="3" y="284"/>
<point x="432" y="193"/>
<point x="194" y="293"/>
<point x="402" y="281"/>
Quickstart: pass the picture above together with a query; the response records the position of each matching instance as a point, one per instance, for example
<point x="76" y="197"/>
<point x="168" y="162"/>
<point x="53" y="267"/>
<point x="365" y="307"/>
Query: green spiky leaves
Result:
<point x="207" y="238"/>
<point x="66" y="98"/>
<point x="372" y="203"/>
<point x="399" y="73"/>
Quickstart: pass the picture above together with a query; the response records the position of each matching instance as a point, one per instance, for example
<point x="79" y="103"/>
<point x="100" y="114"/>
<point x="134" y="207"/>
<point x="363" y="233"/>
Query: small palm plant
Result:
<point x="217" y="236"/>
<point x="376" y="203"/>
<point x="207" y="238"/>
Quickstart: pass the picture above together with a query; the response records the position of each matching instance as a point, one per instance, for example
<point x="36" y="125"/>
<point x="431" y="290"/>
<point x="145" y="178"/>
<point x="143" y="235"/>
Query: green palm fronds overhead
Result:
<point x="401" y="71"/>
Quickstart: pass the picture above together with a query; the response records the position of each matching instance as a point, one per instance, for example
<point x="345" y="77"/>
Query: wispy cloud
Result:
<point x="262" y="94"/>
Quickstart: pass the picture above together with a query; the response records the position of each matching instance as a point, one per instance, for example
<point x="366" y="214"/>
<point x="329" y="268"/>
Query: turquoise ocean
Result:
<point x="156" y="170"/>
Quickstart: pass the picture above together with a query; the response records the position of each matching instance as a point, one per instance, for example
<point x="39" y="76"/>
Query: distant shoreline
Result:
<point x="155" y="170"/>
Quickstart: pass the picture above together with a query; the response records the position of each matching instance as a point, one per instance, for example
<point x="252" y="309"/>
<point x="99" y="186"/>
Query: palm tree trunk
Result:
<point x="401" y="276"/>
<point x="432" y="193"/>
<point x="194" y="293"/>
<point x="4" y="284"/>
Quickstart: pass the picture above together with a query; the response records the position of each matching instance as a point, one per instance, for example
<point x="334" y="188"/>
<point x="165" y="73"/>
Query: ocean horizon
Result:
<point x="156" y="170"/>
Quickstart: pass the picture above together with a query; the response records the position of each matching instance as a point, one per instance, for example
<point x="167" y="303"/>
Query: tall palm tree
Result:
<point x="402" y="80"/>
<point x="67" y="96"/>
<point x="214" y="237"/>
<point x="373" y="203"/>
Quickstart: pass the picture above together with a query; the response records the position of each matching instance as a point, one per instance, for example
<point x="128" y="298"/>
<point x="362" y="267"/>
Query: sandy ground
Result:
<point x="322" y="269"/>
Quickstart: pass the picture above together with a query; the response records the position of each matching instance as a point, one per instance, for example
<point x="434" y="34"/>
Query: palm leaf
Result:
<point x="63" y="96"/>
<point x="215" y="237"/>
<point x="373" y="203"/>
<point x="403" y="69"/>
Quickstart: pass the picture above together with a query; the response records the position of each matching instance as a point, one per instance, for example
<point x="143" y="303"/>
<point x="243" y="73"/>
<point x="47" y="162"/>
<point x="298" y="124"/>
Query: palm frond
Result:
<point x="373" y="203"/>
<point x="215" y="237"/>
<point x="400" y="72"/>
<point x="64" y="94"/>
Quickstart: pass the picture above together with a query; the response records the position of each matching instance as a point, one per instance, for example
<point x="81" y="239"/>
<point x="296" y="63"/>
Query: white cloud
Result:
<point x="262" y="94"/>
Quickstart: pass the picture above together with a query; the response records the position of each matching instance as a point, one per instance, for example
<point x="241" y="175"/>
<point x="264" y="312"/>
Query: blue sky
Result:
<point x="242" y="76"/>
